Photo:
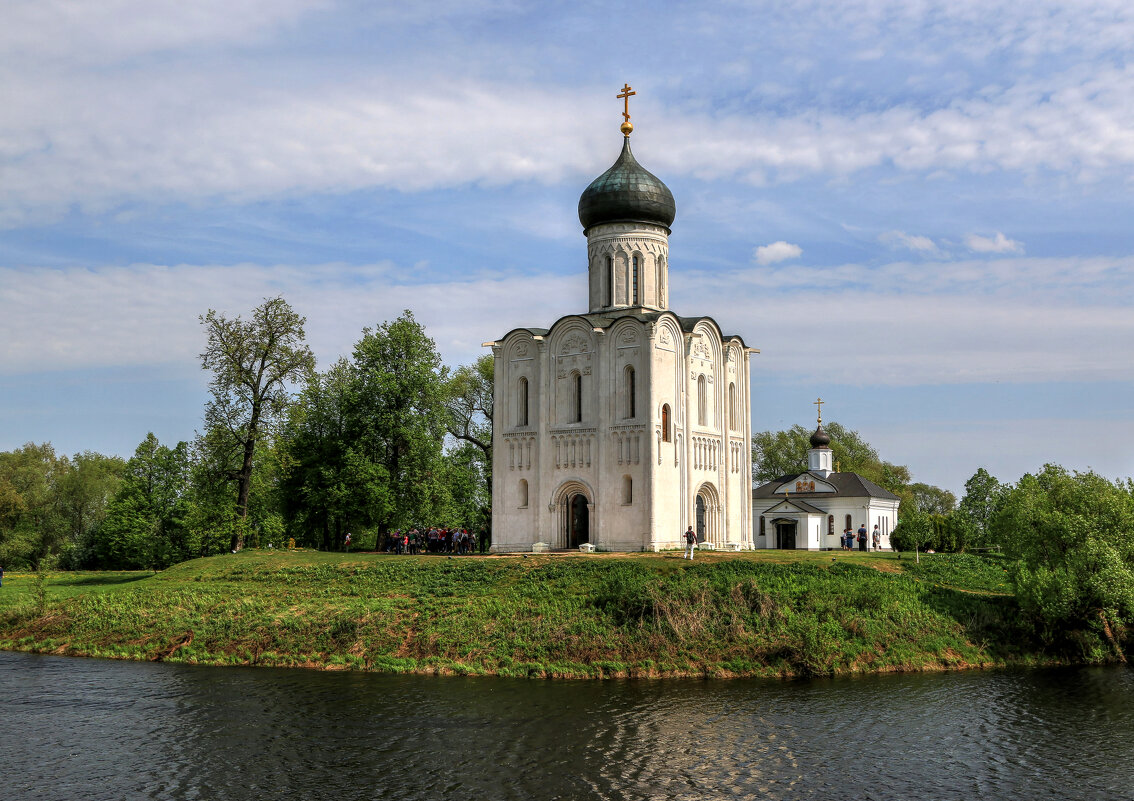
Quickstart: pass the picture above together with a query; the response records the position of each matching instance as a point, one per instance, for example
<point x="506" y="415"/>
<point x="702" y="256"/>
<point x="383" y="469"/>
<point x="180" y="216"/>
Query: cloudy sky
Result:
<point x="920" y="211"/>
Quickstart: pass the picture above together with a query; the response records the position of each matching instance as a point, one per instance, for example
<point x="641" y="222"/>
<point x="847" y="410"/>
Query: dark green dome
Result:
<point x="626" y="193"/>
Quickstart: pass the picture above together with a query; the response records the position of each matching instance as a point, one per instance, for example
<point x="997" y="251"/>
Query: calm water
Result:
<point x="87" y="729"/>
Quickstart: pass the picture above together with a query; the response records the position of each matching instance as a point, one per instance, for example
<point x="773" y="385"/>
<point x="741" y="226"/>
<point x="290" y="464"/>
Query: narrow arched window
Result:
<point x="661" y="281"/>
<point x="522" y="402"/>
<point x="523" y="493"/>
<point x="849" y="523"/>
<point x="578" y="398"/>
<point x="630" y="391"/>
<point x="635" y="279"/>
<point x="609" y="281"/>
<point x="665" y="435"/>
<point x="627" y="490"/>
<point x="702" y="401"/>
<point x="732" y="407"/>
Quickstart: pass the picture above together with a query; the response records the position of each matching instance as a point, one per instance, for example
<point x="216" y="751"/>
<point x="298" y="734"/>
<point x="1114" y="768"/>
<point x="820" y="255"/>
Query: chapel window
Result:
<point x="627" y="490"/>
<point x="635" y="278"/>
<point x="732" y="406"/>
<point x="830" y="525"/>
<point x="761" y="525"/>
<point x="665" y="435"/>
<point x="849" y="523"/>
<point x="578" y="418"/>
<point x="523" y="493"/>
<point x="630" y="392"/>
<point x="702" y="402"/>
<point x="522" y="402"/>
<point x="661" y="280"/>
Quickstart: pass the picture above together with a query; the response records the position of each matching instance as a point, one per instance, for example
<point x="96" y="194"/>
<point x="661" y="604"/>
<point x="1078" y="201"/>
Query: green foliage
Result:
<point x="1072" y="538"/>
<point x="931" y="500"/>
<point x="252" y="363"/>
<point x="983" y="494"/>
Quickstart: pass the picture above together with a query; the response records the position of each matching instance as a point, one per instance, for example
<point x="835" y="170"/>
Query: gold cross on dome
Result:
<point x="625" y="96"/>
<point x="819" y="403"/>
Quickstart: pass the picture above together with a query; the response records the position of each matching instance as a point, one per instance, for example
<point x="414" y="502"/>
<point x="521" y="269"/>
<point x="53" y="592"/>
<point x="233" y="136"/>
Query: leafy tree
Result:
<point x="402" y="419"/>
<point x="146" y="523"/>
<point x="1072" y="536"/>
<point x="931" y="500"/>
<point x="983" y="495"/>
<point x="252" y="363"/>
<point x="782" y="453"/>
<point x="84" y="487"/>
<point x="470" y="405"/>
<point x="30" y="525"/>
<point x="329" y="487"/>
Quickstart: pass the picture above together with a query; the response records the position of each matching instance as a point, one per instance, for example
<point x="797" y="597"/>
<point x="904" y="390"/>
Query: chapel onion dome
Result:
<point x="627" y="192"/>
<point x="820" y="439"/>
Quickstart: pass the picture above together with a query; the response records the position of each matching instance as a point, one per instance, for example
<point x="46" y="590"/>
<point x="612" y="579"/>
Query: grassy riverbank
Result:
<point x="763" y="614"/>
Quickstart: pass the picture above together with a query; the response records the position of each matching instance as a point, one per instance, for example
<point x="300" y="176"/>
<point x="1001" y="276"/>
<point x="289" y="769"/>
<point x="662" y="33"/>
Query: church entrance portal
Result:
<point x="785" y="534"/>
<point x="700" y="518"/>
<point x="578" y="521"/>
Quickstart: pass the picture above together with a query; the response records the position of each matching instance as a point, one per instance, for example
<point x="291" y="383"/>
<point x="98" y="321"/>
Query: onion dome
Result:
<point x="626" y="192"/>
<point x="820" y="439"/>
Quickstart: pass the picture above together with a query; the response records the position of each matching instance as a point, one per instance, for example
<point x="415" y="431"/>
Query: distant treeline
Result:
<point x="389" y="438"/>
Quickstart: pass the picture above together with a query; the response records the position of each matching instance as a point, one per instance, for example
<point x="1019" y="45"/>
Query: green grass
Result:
<point x="754" y="614"/>
<point x="977" y="573"/>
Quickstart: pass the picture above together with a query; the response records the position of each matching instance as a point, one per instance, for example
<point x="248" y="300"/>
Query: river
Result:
<point x="94" y="729"/>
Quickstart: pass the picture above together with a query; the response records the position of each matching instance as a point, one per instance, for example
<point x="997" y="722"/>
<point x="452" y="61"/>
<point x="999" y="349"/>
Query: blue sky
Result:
<point x="918" y="210"/>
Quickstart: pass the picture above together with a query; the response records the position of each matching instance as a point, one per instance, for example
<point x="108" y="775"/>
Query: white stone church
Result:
<point x="621" y="426"/>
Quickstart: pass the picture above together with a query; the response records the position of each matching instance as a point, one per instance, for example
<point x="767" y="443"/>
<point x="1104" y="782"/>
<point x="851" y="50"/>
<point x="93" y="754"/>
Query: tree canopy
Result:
<point x="252" y="362"/>
<point x="1071" y="536"/>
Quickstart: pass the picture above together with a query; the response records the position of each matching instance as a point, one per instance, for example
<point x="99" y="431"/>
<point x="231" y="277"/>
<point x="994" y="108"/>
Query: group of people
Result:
<point x="850" y="537"/>
<point x="457" y="541"/>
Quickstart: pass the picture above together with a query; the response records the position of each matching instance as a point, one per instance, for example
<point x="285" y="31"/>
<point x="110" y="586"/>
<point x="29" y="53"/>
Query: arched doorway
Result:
<point x="785" y="533"/>
<point x="574" y="515"/>
<point x="707" y="515"/>
<point x="578" y="521"/>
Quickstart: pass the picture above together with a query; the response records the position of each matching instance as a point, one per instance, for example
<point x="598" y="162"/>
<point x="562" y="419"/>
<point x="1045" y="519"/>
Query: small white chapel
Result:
<point x="811" y="510"/>
<point x="619" y="427"/>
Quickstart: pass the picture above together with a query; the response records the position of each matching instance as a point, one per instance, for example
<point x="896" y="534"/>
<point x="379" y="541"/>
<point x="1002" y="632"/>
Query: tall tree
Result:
<point x="252" y="363"/>
<point x="983" y="494"/>
<point x="402" y="418"/>
<point x="328" y="486"/>
<point x="470" y="404"/>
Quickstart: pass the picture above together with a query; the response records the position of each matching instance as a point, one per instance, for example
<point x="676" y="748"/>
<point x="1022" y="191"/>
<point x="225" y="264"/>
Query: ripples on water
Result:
<point x="90" y="729"/>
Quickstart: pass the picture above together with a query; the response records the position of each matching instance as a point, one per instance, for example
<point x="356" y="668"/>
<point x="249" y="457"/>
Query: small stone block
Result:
<point x="540" y="547"/>
<point x="586" y="547"/>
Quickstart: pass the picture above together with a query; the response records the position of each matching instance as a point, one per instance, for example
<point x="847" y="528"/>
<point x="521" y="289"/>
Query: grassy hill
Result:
<point x="572" y="615"/>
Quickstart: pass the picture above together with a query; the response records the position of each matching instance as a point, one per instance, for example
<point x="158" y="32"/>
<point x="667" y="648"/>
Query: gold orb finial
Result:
<point x="624" y="96"/>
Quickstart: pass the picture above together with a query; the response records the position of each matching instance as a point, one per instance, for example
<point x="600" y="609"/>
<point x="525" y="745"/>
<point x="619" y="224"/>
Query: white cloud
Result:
<point x="146" y="315"/>
<point x="915" y="242"/>
<point x="994" y="244"/>
<point x="777" y="251"/>
<point x="896" y="324"/>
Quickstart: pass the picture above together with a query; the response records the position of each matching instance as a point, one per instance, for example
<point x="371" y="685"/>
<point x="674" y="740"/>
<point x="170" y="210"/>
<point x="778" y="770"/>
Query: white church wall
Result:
<point x="670" y="491"/>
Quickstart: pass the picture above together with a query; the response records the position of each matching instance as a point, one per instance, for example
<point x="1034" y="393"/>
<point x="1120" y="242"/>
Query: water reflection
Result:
<point x="95" y="729"/>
